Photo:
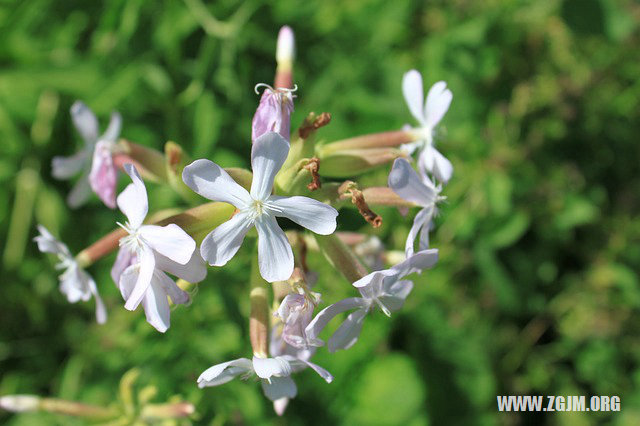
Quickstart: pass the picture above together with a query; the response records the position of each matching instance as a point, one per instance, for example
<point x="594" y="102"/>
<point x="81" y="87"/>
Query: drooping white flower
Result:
<point x="428" y="115"/>
<point x="97" y="170"/>
<point x="257" y="208"/>
<point x="296" y="312"/>
<point x="75" y="283"/>
<point x="385" y="289"/>
<point x="275" y="374"/>
<point x="405" y="182"/>
<point x="147" y="253"/>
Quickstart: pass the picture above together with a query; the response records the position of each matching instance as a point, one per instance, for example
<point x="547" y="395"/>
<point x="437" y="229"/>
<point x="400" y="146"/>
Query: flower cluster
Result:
<point x="287" y="333"/>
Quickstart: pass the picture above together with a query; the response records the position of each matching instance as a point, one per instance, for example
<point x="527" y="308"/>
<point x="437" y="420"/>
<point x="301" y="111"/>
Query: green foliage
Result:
<point x="537" y="289"/>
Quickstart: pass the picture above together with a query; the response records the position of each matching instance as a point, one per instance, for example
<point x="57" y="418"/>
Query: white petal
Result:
<point x="115" y="125"/>
<point x="67" y="167"/>
<point x="400" y="289"/>
<point x="101" y="310"/>
<point x="221" y="244"/>
<point x="306" y="212"/>
<point x="275" y="257"/>
<point x="347" y="334"/>
<point x="323" y="317"/>
<point x="133" y="200"/>
<point x="405" y="182"/>
<point x="208" y="179"/>
<point x="266" y="368"/>
<point x="128" y="279"/>
<point x="156" y="306"/>
<point x="280" y="405"/>
<point x="225" y="372"/>
<point x="420" y="226"/>
<point x="413" y="94"/>
<point x="418" y="262"/>
<point x="85" y="122"/>
<point x="315" y="367"/>
<point x="47" y="243"/>
<point x="442" y="168"/>
<point x="145" y="273"/>
<point x="268" y="154"/>
<point x="194" y="271"/>
<point x="170" y="288"/>
<point x="124" y="259"/>
<point x="80" y="192"/>
<point x="170" y="241"/>
<point x="437" y="103"/>
<point x="279" y="387"/>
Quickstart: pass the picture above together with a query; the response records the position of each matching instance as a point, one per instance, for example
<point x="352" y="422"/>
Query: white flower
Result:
<point x="64" y="168"/>
<point x="149" y="250"/>
<point x="435" y="107"/>
<point x="257" y="208"/>
<point x="296" y="312"/>
<point x="75" y="283"/>
<point x="275" y="374"/>
<point x="405" y="182"/>
<point x="385" y="289"/>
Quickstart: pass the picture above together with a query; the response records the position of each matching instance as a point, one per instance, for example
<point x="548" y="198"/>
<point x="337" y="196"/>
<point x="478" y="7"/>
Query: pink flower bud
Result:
<point x="104" y="174"/>
<point x="273" y="113"/>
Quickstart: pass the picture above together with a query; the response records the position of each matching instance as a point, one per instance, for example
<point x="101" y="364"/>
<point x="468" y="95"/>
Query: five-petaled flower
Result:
<point x="274" y="373"/>
<point x="95" y="160"/>
<point x="147" y="253"/>
<point x="75" y="283"/>
<point x="405" y="182"/>
<point x="257" y="208"/>
<point x="385" y="289"/>
<point x="428" y="115"/>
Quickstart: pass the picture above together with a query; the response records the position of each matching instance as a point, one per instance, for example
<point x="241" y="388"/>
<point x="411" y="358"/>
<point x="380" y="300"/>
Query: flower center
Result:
<point x="133" y="241"/>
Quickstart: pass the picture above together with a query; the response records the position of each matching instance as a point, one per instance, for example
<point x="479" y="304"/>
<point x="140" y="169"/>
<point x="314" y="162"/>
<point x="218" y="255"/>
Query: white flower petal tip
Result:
<point x="413" y="94"/>
<point x="285" y="47"/>
<point x="211" y="181"/>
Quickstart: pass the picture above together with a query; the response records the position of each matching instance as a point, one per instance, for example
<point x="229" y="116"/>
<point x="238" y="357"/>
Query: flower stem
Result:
<point x="341" y="257"/>
<point x="259" y="317"/>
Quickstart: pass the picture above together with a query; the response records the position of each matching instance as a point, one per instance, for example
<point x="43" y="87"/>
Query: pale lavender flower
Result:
<point x="75" y="283"/>
<point x="405" y="182"/>
<point x="385" y="289"/>
<point x="274" y="373"/>
<point x="296" y="312"/>
<point x="273" y="113"/>
<point x="428" y="116"/>
<point x="257" y="208"/>
<point x="147" y="253"/>
<point x="102" y="180"/>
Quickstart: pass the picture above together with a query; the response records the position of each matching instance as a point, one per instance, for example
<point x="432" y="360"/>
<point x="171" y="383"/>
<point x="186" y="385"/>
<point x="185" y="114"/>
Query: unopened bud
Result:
<point x="353" y="162"/>
<point x="285" y="49"/>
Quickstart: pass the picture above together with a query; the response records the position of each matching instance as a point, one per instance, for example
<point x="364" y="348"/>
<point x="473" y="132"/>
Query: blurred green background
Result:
<point x="537" y="290"/>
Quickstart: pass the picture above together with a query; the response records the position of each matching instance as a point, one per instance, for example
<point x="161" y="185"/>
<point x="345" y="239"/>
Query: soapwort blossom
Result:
<point x="405" y="182"/>
<point x="257" y="208"/>
<point x="274" y="112"/>
<point x="75" y="283"/>
<point x="296" y="312"/>
<point x="428" y="116"/>
<point x="147" y="253"/>
<point x="274" y="374"/>
<point x="385" y="289"/>
<point x="94" y="161"/>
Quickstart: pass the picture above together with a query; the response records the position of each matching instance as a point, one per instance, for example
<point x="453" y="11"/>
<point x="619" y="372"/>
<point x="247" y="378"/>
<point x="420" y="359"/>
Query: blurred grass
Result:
<point x="537" y="289"/>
